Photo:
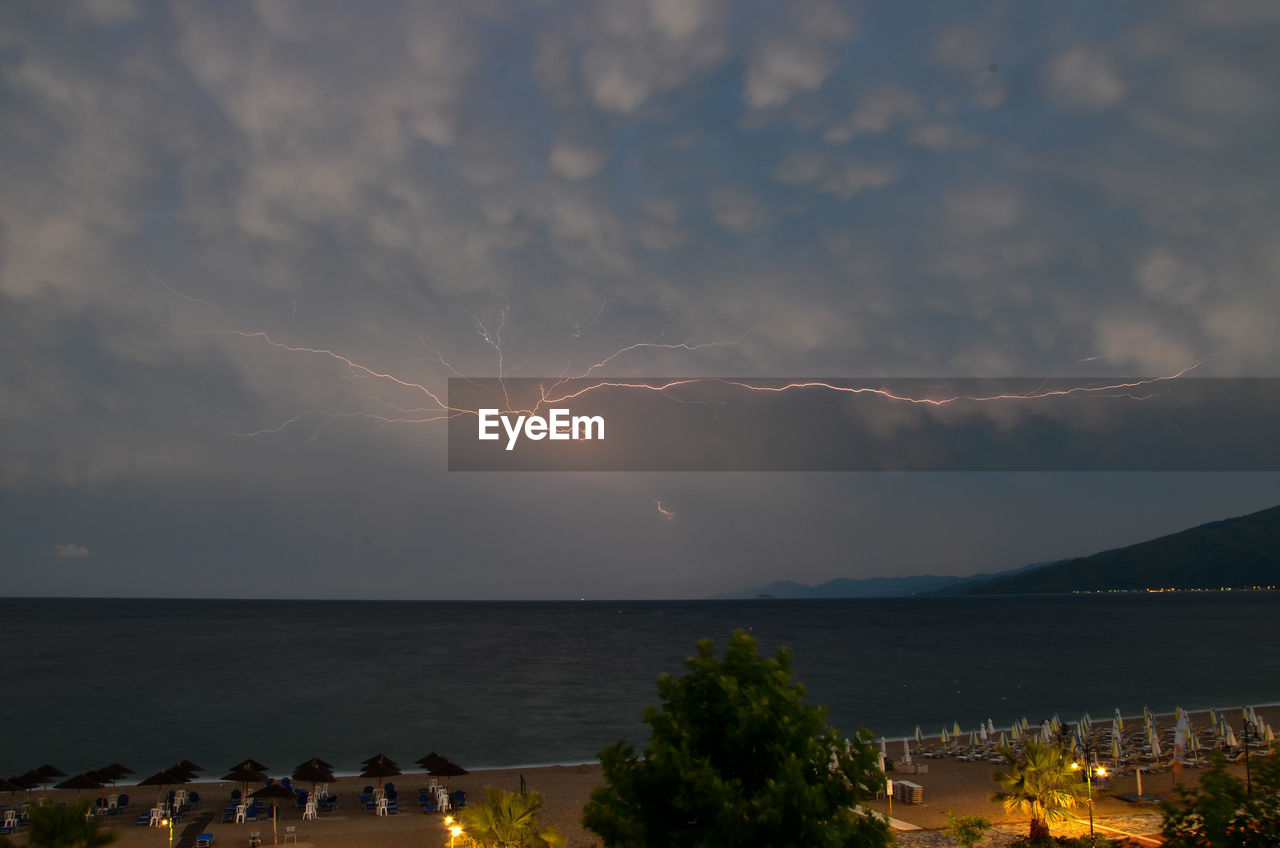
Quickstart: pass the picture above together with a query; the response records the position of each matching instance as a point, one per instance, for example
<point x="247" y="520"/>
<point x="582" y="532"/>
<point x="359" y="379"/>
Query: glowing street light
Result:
<point x="168" y="822"/>
<point x="1101" y="771"/>
<point x="454" y="832"/>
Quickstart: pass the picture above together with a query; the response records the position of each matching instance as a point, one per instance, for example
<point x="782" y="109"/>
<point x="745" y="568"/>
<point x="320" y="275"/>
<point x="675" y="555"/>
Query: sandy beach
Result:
<point x="949" y="785"/>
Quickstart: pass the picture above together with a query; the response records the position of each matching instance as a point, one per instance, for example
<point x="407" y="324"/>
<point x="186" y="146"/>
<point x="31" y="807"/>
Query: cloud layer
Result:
<point x="438" y="188"/>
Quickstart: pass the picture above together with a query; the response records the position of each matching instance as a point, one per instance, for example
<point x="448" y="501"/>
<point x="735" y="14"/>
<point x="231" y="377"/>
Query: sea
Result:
<point x="514" y="684"/>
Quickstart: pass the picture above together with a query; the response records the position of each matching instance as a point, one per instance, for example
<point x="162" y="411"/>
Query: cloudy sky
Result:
<point x="242" y="244"/>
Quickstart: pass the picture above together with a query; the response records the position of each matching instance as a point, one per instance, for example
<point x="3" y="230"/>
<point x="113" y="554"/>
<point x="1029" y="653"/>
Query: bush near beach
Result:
<point x="1223" y="811"/>
<point x="737" y="758"/>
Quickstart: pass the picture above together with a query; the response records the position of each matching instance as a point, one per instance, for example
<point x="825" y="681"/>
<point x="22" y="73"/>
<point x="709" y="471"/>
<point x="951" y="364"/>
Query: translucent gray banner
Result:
<point x="709" y="424"/>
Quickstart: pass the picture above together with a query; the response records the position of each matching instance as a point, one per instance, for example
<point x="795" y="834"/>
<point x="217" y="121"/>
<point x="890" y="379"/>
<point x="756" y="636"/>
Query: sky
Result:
<point x="243" y="246"/>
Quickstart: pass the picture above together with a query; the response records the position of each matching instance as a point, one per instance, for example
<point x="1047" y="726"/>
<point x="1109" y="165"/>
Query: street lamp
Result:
<point x="453" y="834"/>
<point x="1248" y="781"/>
<point x="168" y="822"/>
<point x="1088" y="780"/>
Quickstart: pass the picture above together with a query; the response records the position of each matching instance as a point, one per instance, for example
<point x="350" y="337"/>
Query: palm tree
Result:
<point x="66" y="827"/>
<point x="1039" y="781"/>
<point x="509" y="820"/>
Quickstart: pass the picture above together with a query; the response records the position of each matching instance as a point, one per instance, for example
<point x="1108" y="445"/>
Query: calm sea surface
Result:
<point x="502" y="684"/>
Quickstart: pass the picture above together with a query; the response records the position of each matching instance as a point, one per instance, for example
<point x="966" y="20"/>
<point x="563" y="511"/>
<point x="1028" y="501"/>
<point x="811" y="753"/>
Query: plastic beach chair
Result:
<point x="291" y="832"/>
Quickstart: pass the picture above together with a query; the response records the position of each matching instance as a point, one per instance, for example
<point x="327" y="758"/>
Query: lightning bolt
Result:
<point x="435" y="408"/>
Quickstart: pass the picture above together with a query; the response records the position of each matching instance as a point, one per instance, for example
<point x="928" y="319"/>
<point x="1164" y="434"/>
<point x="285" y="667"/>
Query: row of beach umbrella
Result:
<point x="249" y="770"/>
<point x="1186" y="739"/>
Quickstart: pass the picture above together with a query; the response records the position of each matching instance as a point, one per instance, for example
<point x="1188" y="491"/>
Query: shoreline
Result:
<point x="950" y="785"/>
<point x="1195" y="712"/>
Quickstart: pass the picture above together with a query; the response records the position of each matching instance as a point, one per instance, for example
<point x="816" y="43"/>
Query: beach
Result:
<point x="949" y="785"/>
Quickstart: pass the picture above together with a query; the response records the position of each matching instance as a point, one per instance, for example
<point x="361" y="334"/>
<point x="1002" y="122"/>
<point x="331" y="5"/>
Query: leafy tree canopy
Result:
<point x="66" y="827"/>
<point x="737" y="758"/>
<point x="1220" y="813"/>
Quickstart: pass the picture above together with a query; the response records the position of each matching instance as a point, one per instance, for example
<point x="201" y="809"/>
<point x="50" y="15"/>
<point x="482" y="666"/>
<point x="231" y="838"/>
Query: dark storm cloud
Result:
<point x="818" y="188"/>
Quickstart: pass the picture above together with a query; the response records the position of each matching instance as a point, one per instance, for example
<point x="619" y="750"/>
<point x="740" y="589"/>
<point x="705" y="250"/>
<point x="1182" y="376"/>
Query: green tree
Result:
<point x="737" y="758"/>
<point x="66" y="827"/>
<point x="1219" y="813"/>
<point x="1039" y="781"/>
<point x="966" y="830"/>
<point x="509" y="820"/>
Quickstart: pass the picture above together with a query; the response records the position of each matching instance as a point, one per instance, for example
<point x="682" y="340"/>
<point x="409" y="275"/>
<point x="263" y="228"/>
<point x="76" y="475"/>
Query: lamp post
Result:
<point x="1248" y="782"/>
<point x="168" y="822"/>
<point x="1088" y="781"/>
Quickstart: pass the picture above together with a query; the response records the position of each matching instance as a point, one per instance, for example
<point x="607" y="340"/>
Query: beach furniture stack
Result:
<point x="906" y="792"/>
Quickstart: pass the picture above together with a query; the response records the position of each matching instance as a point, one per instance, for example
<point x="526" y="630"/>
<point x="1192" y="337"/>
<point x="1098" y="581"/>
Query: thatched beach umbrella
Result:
<point x="447" y="768"/>
<point x="113" y="772"/>
<point x="244" y="775"/>
<point x="10" y="787"/>
<point x="80" y="782"/>
<point x="273" y="790"/>
<point x="28" y="781"/>
<point x="179" y="770"/>
<point x="314" y="771"/>
<point x="250" y="763"/>
<point x="316" y="761"/>
<point x="163" y="778"/>
<point x="429" y="760"/>
<point x="380" y="766"/>
<point x="32" y="779"/>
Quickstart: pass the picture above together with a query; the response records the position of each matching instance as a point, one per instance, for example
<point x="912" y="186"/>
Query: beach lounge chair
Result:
<point x="459" y="799"/>
<point x="143" y="819"/>
<point x="329" y="804"/>
<point x="251" y="814"/>
<point x="205" y="840"/>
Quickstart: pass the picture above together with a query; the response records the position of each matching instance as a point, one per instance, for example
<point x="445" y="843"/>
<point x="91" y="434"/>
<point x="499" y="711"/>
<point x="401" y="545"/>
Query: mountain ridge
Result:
<point x="1238" y="552"/>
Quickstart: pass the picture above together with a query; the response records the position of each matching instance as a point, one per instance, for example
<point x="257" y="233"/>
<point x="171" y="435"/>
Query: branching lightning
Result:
<point x="435" y="408"/>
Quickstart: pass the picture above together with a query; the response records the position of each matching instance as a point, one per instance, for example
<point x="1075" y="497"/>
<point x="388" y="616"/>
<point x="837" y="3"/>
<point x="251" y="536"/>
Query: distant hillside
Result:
<point x="843" y="587"/>
<point x="1237" y="552"/>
